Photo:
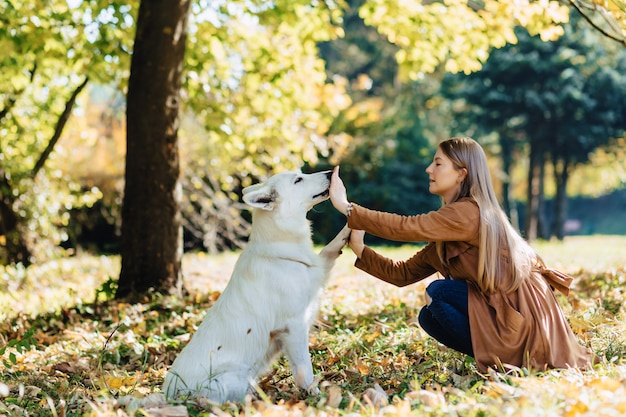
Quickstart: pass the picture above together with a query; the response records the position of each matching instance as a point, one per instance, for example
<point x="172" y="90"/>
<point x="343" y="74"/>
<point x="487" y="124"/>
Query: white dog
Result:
<point x="269" y="302"/>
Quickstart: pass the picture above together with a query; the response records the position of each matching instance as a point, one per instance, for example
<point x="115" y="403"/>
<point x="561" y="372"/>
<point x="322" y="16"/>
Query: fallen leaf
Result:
<point x="370" y="338"/>
<point x="4" y="390"/>
<point x="376" y="396"/>
<point x="605" y="384"/>
<point x="167" y="411"/>
<point x="65" y="367"/>
<point x="362" y="367"/>
<point x="429" y="398"/>
<point x="334" y="396"/>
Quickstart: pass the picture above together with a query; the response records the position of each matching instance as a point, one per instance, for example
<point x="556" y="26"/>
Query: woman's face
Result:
<point x="445" y="179"/>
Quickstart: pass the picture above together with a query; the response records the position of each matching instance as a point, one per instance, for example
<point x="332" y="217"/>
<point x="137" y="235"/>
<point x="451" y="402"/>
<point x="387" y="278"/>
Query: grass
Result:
<point x="65" y="351"/>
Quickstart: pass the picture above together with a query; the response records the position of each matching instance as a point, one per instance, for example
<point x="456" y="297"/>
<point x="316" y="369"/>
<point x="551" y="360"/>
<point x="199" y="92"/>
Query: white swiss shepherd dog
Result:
<point x="270" y="301"/>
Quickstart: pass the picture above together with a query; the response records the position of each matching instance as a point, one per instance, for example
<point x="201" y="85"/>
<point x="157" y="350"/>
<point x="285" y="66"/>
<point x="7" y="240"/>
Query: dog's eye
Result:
<point x="299" y="179"/>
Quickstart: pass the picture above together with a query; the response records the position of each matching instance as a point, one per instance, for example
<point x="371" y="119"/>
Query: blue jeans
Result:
<point x="446" y="317"/>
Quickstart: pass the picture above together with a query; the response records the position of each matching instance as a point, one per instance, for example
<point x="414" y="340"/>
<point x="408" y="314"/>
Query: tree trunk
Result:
<point x="543" y="228"/>
<point x="13" y="248"/>
<point x="151" y="242"/>
<point x="531" y="225"/>
<point x="508" y="202"/>
<point x="561" y="175"/>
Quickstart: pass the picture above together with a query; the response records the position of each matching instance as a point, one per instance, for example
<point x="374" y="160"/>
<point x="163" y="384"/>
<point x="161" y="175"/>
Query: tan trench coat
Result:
<point x="525" y="328"/>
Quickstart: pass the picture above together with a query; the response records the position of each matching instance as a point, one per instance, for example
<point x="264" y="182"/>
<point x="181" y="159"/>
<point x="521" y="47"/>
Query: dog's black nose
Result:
<point x="329" y="174"/>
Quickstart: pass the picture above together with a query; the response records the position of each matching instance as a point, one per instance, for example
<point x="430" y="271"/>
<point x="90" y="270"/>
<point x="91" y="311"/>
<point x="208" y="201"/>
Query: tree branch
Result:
<point x="579" y="9"/>
<point x="59" y="129"/>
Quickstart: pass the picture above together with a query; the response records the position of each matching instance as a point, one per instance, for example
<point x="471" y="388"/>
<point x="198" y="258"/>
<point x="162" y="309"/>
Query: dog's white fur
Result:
<point x="270" y="301"/>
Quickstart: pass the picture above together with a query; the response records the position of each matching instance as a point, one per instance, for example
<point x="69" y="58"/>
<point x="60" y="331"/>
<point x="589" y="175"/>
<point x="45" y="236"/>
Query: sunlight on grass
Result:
<point x="588" y="253"/>
<point x="51" y="286"/>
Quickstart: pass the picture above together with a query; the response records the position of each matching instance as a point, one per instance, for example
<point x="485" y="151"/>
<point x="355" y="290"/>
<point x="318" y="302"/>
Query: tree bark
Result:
<point x="534" y="197"/>
<point x="508" y="202"/>
<point x="561" y="175"/>
<point x="151" y="241"/>
<point x="13" y="248"/>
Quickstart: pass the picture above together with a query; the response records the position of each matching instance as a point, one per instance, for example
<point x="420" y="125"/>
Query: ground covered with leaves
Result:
<point x="66" y="349"/>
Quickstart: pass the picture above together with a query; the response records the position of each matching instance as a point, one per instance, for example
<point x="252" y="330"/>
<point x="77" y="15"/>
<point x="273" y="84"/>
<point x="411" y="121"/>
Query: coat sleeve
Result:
<point x="457" y="221"/>
<point x="399" y="273"/>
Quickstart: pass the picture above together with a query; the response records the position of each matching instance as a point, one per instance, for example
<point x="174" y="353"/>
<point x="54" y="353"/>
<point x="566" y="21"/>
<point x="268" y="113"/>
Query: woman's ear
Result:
<point x="462" y="175"/>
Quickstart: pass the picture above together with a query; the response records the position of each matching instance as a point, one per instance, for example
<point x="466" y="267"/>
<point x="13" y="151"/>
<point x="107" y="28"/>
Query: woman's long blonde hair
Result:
<point x="496" y="232"/>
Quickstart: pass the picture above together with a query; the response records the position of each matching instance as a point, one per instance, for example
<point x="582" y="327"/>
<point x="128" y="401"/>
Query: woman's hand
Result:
<point x="356" y="242"/>
<point x="337" y="192"/>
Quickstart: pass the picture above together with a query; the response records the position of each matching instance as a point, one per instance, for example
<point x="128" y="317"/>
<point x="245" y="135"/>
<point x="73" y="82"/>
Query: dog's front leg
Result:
<point x="333" y="249"/>
<point x="296" y="348"/>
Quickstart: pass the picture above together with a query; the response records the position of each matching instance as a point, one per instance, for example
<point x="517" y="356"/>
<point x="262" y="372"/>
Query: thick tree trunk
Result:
<point x="151" y="242"/>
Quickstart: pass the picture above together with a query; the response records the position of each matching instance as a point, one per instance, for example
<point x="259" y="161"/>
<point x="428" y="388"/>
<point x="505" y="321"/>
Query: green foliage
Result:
<point x="48" y="50"/>
<point x="393" y="127"/>
<point x="436" y="34"/>
<point x="256" y="93"/>
<point x="24" y="343"/>
<point x="568" y="93"/>
<point x="257" y="102"/>
<point x="257" y="87"/>
<point x="107" y="291"/>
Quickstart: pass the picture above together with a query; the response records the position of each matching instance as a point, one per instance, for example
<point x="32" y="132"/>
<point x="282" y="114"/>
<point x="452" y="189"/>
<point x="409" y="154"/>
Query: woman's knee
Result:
<point x="446" y="289"/>
<point x="436" y="290"/>
<point x="428" y="322"/>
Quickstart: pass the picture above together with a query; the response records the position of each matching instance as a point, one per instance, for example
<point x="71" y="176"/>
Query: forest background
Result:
<point x="372" y="86"/>
<point x="110" y="143"/>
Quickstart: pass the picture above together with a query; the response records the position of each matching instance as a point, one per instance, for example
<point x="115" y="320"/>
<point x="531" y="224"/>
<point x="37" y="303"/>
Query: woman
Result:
<point x="496" y="302"/>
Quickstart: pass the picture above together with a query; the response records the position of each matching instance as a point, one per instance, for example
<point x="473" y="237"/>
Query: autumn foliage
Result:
<point x="76" y="353"/>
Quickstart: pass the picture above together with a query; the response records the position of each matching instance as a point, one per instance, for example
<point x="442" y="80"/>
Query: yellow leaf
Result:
<point x="576" y="409"/>
<point x="605" y="384"/>
<point x="114" y="382"/>
<point x="372" y="336"/>
<point x="362" y="367"/>
<point x="129" y="380"/>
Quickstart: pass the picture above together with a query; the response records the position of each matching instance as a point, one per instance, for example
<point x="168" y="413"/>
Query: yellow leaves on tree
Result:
<point x="456" y="33"/>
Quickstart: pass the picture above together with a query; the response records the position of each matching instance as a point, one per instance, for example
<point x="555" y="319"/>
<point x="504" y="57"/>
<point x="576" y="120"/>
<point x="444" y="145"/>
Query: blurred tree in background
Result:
<point x="49" y="52"/>
<point x="556" y="101"/>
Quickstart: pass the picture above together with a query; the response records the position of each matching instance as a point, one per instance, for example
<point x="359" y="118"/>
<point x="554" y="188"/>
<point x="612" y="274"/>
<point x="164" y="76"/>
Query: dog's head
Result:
<point x="291" y="191"/>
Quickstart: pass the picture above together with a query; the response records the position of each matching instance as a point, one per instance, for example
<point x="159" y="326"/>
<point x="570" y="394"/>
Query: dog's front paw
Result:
<point x="344" y="235"/>
<point x="313" y="388"/>
<point x="334" y="247"/>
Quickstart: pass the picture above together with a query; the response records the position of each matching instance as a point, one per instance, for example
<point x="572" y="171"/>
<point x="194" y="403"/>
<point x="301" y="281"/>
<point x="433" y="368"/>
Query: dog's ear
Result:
<point x="259" y="196"/>
<point x="252" y="188"/>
